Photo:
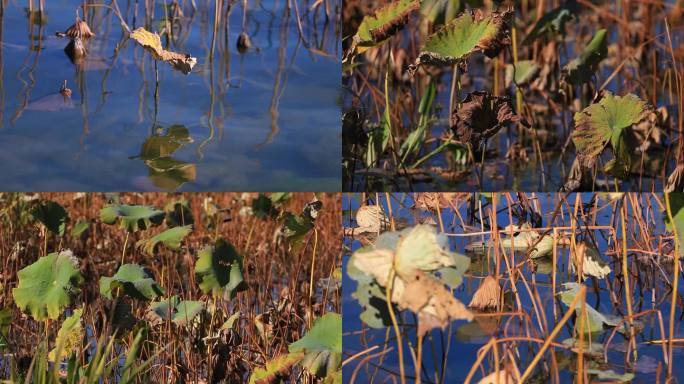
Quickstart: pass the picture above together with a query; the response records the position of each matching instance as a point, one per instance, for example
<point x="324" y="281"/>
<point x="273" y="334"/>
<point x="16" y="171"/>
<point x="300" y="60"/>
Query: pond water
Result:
<point x="458" y="345"/>
<point x="265" y="119"/>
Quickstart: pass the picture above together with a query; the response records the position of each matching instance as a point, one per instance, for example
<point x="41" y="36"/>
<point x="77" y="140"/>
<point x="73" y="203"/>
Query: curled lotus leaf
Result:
<point x="466" y="34"/>
<point x="322" y="346"/>
<point x="171" y="238"/>
<point x="383" y="24"/>
<point x="481" y="116"/>
<point x="52" y="215"/>
<point x="47" y="286"/>
<point x="134" y="281"/>
<point x="605" y="122"/>
<point x="179" y="312"/>
<point x="132" y="217"/>
<point x="219" y="269"/>
<point x="152" y="43"/>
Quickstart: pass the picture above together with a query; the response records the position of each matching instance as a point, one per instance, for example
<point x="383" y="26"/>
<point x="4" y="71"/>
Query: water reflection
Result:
<point x="248" y="116"/>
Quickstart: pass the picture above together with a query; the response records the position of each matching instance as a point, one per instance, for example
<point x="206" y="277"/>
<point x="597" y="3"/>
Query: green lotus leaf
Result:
<point x="180" y="312"/>
<point x="676" y="206"/>
<point x="46" y="287"/>
<point x="440" y="12"/>
<point x="262" y="207"/>
<point x="466" y="34"/>
<point x="52" y="215"/>
<point x="322" y="346"/>
<point x="604" y="122"/>
<point x="274" y="368"/>
<point x="522" y="73"/>
<point x="383" y="24"/>
<point x="69" y="337"/>
<point x="552" y="22"/>
<point x="178" y="213"/>
<point x="170" y="238"/>
<point x="296" y="227"/>
<point x="219" y="270"/>
<point x="80" y="229"/>
<point x="580" y="70"/>
<point x="371" y="298"/>
<point x="421" y="247"/>
<point x="595" y="320"/>
<point x="133" y="280"/>
<point x="165" y="145"/>
<point x="132" y="217"/>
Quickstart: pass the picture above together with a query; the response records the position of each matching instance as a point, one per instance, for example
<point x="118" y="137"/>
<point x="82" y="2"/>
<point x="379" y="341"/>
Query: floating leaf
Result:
<point x="274" y="368"/>
<point x="219" y="269"/>
<point x="480" y="117"/>
<point x="46" y="287"/>
<point x="170" y="238"/>
<point x="152" y="43"/>
<point x="133" y="280"/>
<point x="605" y="122"/>
<point x="523" y="239"/>
<point x="611" y="375"/>
<point x="69" y="337"/>
<point x="383" y="24"/>
<point x="132" y="217"/>
<point x="52" y="215"/>
<point x="322" y="346"/>
<point x="580" y="70"/>
<point x="159" y="146"/>
<point x="553" y="22"/>
<point x="464" y="35"/>
<point x="522" y="73"/>
<point x="595" y="320"/>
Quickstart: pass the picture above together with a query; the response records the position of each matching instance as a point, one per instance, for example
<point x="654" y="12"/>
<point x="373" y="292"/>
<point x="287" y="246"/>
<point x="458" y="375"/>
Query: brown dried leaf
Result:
<point x="79" y="29"/>
<point x="435" y="305"/>
<point x="481" y="116"/>
<point x="152" y="43"/>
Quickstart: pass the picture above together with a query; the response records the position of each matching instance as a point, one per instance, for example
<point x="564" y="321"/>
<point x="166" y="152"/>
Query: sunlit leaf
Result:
<point x="171" y="238"/>
<point x="133" y="280"/>
<point x="383" y="24"/>
<point x="275" y="367"/>
<point x="219" y="270"/>
<point x="605" y="122"/>
<point x="69" y="337"/>
<point x="152" y="43"/>
<point x="52" y="215"/>
<point x="464" y="35"/>
<point x="132" y="217"/>
<point x="322" y="346"/>
<point x="46" y="287"/>
<point x="611" y="375"/>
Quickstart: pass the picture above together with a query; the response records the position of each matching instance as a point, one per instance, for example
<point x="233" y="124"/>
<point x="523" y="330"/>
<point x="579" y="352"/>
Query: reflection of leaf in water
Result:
<point x="165" y="171"/>
<point x="51" y="103"/>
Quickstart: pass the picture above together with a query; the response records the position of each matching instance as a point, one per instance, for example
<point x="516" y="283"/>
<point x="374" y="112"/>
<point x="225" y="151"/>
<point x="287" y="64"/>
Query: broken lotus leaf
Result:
<point x="322" y="346"/>
<point x="466" y="34"/>
<point x="580" y="70"/>
<point x="480" y="117"/>
<point x="219" y="269"/>
<point x="152" y="43"/>
<point x="79" y="29"/>
<point x="69" y="337"/>
<point x="52" y="215"/>
<point x="46" y="287"/>
<point x="370" y="297"/>
<point x="605" y="122"/>
<point x="525" y="239"/>
<point x="592" y="265"/>
<point x="383" y="24"/>
<point x="134" y="281"/>
<point x="171" y="238"/>
<point x="132" y="217"/>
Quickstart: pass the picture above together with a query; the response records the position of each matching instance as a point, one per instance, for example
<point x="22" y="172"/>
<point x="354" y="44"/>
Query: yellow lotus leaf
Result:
<point x="152" y="43"/>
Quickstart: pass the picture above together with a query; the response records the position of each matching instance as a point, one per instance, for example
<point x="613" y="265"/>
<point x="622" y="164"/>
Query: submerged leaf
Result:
<point x="464" y="35"/>
<point x="580" y="70"/>
<point x="383" y="24"/>
<point x="46" y="287"/>
<point x="52" y="215"/>
<point x="219" y="269"/>
<point x="604" y="122"/>
<point x="152" y="43"/>
<point x="133" y="280"/>
<point x="132" y="217"/>
<point x="480" y="117"/>
<point x="170" y="238"/>
<point x="69" y="337"/>
<point x="322" y="346"/>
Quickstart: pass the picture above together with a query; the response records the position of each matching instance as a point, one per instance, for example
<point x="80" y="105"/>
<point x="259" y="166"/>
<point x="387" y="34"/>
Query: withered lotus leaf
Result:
<point x="383" y="24"/>
<point x="152" y="43"/>
<point x="79" y="29"/>
<point x="481" y="116"/>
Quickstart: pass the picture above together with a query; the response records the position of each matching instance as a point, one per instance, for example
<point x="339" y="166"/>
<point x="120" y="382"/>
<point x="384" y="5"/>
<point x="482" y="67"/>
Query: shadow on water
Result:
<point x="265" y="80"/>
